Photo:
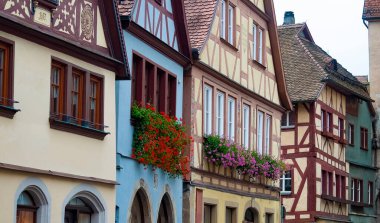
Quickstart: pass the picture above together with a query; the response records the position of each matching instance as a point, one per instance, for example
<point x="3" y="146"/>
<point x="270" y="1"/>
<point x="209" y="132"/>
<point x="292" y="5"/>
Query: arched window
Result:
<point x="251" y="216"/>
<point x="140" y="208"/>
<point x="26" y="208"/>
<point x="165" y="214"/>
<point x="77" y="211"/>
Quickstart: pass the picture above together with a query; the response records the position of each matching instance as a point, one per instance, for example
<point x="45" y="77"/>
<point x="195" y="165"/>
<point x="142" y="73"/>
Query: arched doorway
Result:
<point x="165" y="213"/>
<point x="32" y="206"/>
<point x="140" y="208"/>
<point x="84" y="207"/>
<point x="251" y="216"/>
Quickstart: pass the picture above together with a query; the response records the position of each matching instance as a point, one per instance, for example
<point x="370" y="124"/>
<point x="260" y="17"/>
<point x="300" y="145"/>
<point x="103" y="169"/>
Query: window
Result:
<point x="370" y="193"/>
<point x="260" y="131"/>
<point x="220" y="114"/>
<point x="77" y="211"/>
<point x="254" y="42"/>
<point x="231" y="118"/>
<point x="154" y="85"/>
<point x="288" y="119"/>
<point x="339" y="186"/>
<point x="6" y="79"/>
<point x="364" y="138"/>
<point x="340" y="128"/>
<point x="227" y="22"/>
<point x="207" y="110"/>
<point x="269" y="218"/>
<point x="327" y="183"/>
<point x="260" y="46"/>
<point x="258" y="43"/>
<point x="268" y="133"/>
<point x="351" y="131"/>
<point x="286" y="183"/>
<point x="343" y="187"/>
<point x="357" y="190"/>
<point x="230" y="215"/>
<point x="26" y="208"/>
<point x="326" y="122"/>
<point x="245" y="124"/>
<point x="209" y="215"/>
<point x="76" y="99"/>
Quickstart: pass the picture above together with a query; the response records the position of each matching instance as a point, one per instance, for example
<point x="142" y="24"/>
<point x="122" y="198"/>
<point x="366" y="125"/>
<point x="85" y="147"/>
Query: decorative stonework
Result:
<point x="87" y="22"/>
<point x="18" y="8"/>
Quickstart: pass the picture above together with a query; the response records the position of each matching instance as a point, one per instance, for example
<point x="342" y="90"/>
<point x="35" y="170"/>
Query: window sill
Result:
<point x="8" y="112"/>
<point x="342" y="141"/>
<point x="336" y="199"/>
<point x="229" y="44"/>
<point x="288" y="127"/>
<point x="359" y="204"/>
<point x="77" y="129"/>
<point x="262" y="66"/>
<point x="365" y="149"/>
<point x="327" y="134"/>
<point x="285" y="193"/>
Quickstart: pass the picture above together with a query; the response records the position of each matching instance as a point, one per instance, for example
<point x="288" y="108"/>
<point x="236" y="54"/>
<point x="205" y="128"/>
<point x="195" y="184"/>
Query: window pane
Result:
<point x="222" y="20"/>
<point x="246" y="122"/>
<point x="260" y="125"/>
<point x="231" y="118"/>
<point x="220" y="114"/>
<point x="254" y="43"/>
<point x="25" y="199"/>
<point x="260" y="46"/>
<point x="268" y="133"/>
<point x="84" y="218"/>
<point x="25" y="216"/>
<point x="1" y="74"/>
<point x="229" y="215"/>
<point x="230" y="24"/>
<point x="207" y="214"/>
<point x="207" y="110"/>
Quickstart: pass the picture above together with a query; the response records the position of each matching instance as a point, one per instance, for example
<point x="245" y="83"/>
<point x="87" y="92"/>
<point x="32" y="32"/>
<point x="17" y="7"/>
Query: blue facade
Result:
<point x="362" y="165"/>
<point x="131" y="175"/>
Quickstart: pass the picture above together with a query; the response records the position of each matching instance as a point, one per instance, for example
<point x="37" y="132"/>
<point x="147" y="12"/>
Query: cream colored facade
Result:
<point x="65" y="164"/>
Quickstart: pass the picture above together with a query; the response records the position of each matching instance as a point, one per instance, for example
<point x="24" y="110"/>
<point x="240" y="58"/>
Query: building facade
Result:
<point x="371" y="17"/>
<point x="58" y="67"/>
<point x="314" y="145"/>
<point x="158" y="54"/>
<point x="361" y="157"/>
<point x="235" y="93"/>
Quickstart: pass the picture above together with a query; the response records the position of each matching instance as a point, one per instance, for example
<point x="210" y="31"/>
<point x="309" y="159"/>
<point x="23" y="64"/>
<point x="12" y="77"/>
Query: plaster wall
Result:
<point x="58" y="192"/>
<point x="27" y="139"/>
<point x="131" y="175"/>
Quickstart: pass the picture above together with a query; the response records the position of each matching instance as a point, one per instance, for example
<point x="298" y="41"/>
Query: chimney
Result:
<point x="289" y="18"/>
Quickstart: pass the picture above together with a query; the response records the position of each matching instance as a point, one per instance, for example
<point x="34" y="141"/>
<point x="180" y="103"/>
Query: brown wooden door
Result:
<point x="26" y="216"/>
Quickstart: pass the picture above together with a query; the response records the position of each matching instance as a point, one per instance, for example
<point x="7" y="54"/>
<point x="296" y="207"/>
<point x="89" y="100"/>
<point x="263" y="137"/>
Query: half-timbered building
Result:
<point x="314" y="136"/>
<point x="58" y="65"/>
<point x="235" y="90"/>
<point x="158" y="52"/>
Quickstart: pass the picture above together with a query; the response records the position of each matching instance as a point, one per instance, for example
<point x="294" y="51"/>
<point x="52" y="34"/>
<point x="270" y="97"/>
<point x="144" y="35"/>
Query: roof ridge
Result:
<point x="286" y="26"/>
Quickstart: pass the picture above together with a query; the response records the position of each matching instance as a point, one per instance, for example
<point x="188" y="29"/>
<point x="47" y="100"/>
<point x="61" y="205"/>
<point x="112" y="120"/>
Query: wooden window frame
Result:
<point x="152" y="85"/>
<point x="79" y="123"/>
<point x="7" y="101"/>
<point x="260" y="148"/>
<point x="327" y="183"/>
<point x="338" y="187"/>
<point x="343" y="187"/>
<point x="258" y="44"/>
<point x="268" y="134"/>
<point x="364" y="138"/>
<point x="231" y="133"/>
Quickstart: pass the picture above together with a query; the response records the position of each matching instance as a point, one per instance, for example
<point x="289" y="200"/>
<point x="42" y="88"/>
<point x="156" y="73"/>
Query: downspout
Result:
<point x="366" y="25"/>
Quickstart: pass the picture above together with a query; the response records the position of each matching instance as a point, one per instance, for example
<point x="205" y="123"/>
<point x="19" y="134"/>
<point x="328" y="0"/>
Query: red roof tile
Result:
<point x="199" y="14"/>
<point x="371" y="9"/>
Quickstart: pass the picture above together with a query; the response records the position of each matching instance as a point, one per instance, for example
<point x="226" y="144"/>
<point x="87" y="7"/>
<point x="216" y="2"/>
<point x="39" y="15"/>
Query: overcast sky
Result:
<point x="336" y="26"/>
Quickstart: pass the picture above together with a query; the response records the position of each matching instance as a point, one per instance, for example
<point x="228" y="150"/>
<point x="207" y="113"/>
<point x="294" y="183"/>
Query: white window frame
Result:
<point x="254" y="43"/>
<point x="283" y="180"/>
<point x="231" y="118"/>
<point x="260" y="46"/>
<point x="245" y="125"/>
<point x="260" y="131"/>
<point x="230" y="24"/>
<point x="207" y="110"/>
<point x="328" y="117"/>
<point x="223" y="20"/>
<point x="358" y="189"/>
<point x="220" y="113"/>
<point x="268" y="133"/>
<point x="370" y="192"/>
<point x="353" y="190"/>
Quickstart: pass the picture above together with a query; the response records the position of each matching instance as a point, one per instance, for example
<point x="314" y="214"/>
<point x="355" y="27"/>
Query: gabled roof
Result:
<point x="308" y="68"/>
<point x="371" y="9"/>
<point x="200" y="16"/>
